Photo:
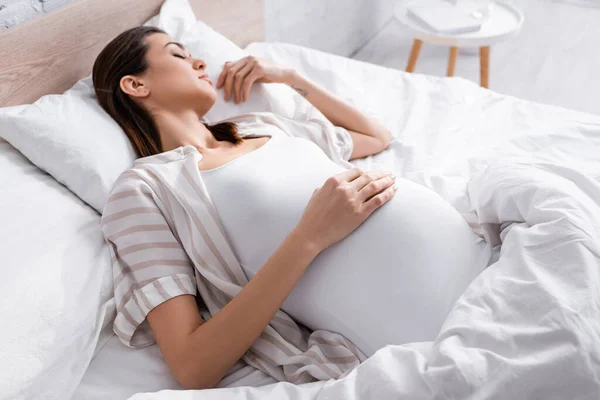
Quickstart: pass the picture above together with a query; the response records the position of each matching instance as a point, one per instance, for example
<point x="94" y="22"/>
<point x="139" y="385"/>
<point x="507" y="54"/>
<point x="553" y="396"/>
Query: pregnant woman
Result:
<point x="377" y="260"/>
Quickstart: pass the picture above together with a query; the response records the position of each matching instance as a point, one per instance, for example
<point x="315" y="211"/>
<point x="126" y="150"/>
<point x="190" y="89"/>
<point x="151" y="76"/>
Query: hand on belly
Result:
<point x="395" y="278"/>
<point x="392" y="280"/>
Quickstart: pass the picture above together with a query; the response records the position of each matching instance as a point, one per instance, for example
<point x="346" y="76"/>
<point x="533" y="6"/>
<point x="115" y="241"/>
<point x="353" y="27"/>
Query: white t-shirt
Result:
<point x="165" y="240"/>
<point x="391" y="281"/>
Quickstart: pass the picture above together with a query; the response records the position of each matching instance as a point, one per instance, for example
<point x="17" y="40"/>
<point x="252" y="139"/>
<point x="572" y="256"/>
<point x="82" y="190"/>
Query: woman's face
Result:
<point x="173" y="80"/>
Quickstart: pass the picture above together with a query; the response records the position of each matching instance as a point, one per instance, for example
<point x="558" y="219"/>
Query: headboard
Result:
<point x="50" y="53"/>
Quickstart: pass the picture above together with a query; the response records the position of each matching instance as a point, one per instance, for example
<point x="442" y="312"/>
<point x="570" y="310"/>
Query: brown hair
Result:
<point x="126" y="55"/>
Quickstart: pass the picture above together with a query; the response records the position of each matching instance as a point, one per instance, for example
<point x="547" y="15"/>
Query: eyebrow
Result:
<point x="176" y="44"/>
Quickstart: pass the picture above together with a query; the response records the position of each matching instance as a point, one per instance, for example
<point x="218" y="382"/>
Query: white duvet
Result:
<point x="525" y="175"/>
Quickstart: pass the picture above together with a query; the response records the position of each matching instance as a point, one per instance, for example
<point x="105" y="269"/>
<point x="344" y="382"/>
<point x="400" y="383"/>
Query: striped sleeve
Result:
<point x="149" y="264"/>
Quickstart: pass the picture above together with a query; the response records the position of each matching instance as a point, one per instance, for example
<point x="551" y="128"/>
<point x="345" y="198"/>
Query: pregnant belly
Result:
<point x="395" y="278"/>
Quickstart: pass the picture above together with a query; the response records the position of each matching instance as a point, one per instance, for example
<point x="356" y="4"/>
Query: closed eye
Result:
<point x="179" y="56"/>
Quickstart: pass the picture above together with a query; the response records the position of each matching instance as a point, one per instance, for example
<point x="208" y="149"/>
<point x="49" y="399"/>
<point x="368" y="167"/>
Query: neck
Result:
<point x="183" y="128"/>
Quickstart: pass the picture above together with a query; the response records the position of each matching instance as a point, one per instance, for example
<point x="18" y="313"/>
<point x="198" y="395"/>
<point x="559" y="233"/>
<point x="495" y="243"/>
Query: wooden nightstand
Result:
<point x="504" y="20"/>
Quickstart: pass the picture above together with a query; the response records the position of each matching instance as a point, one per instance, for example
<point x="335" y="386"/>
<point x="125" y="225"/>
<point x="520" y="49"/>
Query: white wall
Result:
<point x="338" y="26"/>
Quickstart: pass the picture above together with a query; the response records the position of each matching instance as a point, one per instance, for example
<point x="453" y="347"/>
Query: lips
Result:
<point x="205" y="78"/>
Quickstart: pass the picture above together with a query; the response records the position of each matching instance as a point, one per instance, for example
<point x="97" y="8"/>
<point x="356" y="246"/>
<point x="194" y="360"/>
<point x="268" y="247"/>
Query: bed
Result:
<point x="526" y="176"/>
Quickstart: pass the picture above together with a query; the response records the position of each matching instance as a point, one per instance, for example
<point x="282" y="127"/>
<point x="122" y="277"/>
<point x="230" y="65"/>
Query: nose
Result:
<point x="199" y="64"/>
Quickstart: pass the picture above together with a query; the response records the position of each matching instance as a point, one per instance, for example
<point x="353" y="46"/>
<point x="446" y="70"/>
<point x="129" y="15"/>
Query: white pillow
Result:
<point x="73" y="139"/>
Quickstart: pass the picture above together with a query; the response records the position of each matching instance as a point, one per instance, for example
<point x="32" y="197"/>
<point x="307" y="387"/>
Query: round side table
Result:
<point x="504" y="20"/>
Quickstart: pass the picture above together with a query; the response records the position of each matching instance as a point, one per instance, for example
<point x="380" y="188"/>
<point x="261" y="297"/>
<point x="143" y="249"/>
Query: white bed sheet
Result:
<point x="118" y="372"/>
<point x="530" y="173"/>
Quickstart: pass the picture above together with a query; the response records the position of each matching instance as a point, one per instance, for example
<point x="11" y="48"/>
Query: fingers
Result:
<point x="349" y="175"/>
<point x="374" y="187"/>
<point x="248" y="81"/>
<point x="223" y="74"/>
<point x="239" y="78"/>
<point x="367" y="178"/>
<point x="379" y="199"/>
<point x="227" y="76"/>
<point x="230" y="77"/>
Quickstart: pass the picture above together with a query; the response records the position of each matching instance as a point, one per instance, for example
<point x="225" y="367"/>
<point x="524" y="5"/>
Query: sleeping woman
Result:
<point x="376" y="259"/>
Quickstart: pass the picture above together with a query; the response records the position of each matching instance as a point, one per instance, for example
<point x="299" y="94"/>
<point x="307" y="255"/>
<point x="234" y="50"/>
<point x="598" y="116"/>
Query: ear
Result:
<point x="134" y="86"/>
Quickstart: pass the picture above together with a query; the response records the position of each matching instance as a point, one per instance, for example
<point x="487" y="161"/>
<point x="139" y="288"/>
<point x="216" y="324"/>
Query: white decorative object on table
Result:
<point x="478" y="9"/>
<point x="444" y="19"/>
<point x="498" y="20"/>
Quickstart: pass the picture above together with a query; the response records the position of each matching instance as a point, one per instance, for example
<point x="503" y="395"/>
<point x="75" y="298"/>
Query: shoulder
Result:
<point x="131" y="191"/>
<point x="147" y="172"/>
<point x="130" y="179"/>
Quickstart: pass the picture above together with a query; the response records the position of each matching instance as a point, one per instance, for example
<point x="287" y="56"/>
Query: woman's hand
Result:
<point x="344" y="202"/>
<point x="237" y="77"/>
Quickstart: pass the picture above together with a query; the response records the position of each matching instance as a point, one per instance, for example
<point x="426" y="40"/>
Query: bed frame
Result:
<point x="48" y="54"/>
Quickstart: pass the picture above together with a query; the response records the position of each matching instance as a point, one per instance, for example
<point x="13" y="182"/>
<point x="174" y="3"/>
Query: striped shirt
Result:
<point x="166" y="240"/>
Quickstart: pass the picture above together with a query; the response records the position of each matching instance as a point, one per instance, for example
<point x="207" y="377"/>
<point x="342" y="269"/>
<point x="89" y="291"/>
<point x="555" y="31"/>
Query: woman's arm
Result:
<point x="200" y="353"/>
<point x="338" y="111"/>
<point x="368" y="136"/>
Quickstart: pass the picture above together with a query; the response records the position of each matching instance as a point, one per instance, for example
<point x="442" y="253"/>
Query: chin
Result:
<point x="206" y="101"/>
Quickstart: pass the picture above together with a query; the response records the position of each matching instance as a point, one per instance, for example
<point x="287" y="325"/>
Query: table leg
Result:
<point x="452" y="60"/>
<point x="484" y="66"/>
<point x="414" y="55"/>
